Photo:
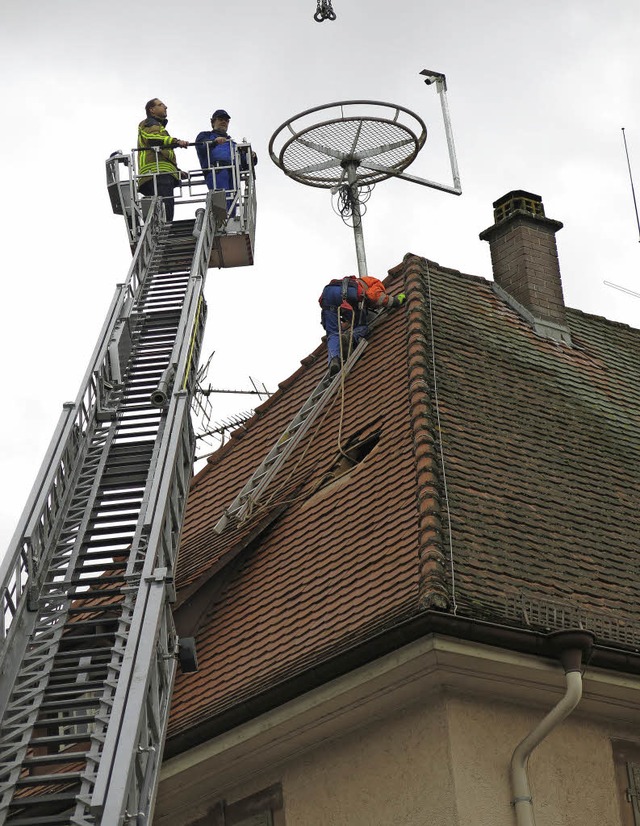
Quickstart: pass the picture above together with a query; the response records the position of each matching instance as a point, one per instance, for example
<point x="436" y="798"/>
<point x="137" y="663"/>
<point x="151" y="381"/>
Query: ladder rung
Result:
<point x="89" y="667"/>
<point x="66" y="705"/>
<point x="60" y="757"/>
<point x="78" y="596"/>
<point x="74" y="654"/>
<point x="92" y="638"/>
<point x="66" y="722"/>
<point x="64" y="778"/>
<point x="78" y="625"/>
<point x="102" y="543"/>
<point x="41" y="820"/>
<point x="59" y="739"/>
<point x="99" y="656"/>
<point x="37" y="799"/>
<point x="78" y="579"/>
<point x="94" y="609"/>
<point x="56" y="691"/>
<point x="103" y="567"/>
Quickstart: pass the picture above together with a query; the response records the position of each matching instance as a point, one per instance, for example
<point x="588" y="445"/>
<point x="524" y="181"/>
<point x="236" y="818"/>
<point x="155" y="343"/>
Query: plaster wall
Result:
<point x="442" y="762"/>
<point x="391" y="771"/>
<point x="571" y="773"/>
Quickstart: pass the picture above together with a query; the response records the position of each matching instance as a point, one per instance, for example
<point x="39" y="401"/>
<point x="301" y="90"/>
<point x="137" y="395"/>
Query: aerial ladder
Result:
<point x="88" y="647"/>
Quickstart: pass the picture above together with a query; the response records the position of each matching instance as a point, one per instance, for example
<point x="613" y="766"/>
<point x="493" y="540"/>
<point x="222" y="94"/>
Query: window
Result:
<point x="626" y="757"/>
<point x="263" y="808"/>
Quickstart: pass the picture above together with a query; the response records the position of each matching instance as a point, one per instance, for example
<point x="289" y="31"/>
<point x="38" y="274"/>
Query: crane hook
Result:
<point x="324" y="11"/>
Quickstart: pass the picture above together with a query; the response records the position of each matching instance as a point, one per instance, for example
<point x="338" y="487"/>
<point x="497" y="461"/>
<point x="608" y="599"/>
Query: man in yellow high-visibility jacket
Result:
<point x="157" y="167"/>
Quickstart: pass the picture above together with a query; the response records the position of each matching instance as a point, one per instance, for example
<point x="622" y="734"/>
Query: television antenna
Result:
<point x="349" y="146"/>
<point x="622" y="289"/>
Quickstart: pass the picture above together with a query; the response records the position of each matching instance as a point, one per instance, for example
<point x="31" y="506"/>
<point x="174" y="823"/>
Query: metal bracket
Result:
<point x="441" y="87"/>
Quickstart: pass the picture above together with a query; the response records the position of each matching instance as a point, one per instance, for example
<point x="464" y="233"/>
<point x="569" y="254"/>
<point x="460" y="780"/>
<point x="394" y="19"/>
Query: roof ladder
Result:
<point x="242" y="506"/>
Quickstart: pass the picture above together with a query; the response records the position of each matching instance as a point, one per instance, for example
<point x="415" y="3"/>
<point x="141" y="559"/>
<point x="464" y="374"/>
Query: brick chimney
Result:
<point x="524" y="256"/>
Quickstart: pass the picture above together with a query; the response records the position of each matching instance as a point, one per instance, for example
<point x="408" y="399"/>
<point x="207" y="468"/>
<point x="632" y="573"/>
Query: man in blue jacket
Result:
<point x="216" y="153"/>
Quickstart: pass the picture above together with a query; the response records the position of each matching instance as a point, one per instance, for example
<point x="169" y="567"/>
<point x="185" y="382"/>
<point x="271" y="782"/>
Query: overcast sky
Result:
<point x="538" y="94"/>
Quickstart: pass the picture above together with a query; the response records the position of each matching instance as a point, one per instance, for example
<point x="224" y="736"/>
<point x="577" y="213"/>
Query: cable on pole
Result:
<point x="347" y="197"/>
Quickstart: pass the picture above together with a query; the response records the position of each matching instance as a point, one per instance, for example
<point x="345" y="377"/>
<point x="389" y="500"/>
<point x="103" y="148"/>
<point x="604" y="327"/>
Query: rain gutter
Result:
<point x="374" y="643"/>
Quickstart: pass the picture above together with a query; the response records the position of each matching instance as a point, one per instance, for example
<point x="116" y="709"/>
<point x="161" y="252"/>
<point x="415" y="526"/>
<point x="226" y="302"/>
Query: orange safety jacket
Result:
<point x="374" y="291"/>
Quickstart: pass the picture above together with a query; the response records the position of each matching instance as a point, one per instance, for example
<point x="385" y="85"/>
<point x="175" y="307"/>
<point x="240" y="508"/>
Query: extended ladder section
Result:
<point x="243" y="505"/>
<point x="87" y="638"/>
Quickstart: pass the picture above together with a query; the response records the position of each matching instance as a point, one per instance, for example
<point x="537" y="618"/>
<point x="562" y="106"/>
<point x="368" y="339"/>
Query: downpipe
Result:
<point x="569" y="647"/>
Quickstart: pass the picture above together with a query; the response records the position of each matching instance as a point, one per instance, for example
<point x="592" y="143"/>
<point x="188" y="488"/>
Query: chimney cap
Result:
<point x="518" y="204"/>
<point x="515" y="194"/>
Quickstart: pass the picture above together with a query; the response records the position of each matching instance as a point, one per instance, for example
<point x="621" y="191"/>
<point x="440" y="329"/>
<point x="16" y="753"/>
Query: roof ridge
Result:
<point x="432" y="585"/>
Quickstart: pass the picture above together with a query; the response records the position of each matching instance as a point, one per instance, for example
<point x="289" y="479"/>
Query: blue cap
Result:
<point x="221" y="113"/>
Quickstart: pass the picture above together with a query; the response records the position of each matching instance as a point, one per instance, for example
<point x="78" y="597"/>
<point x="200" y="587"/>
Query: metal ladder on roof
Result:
<point x="87" y="639"/>
<point x="242" y="506"/>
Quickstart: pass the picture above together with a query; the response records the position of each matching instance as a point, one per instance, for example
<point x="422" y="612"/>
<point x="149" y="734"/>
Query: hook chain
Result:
<point x="324" y="11"/>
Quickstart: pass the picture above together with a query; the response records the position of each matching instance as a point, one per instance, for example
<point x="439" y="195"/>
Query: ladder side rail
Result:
<point x="249" y="207"/>
<point x="245" y="510"/>
<point x="204" y="243"/>
<point x="25" y="565"/>
<point x="85" y="404"/>
<point x="27" y="551"/>
<point x="144" y="250"/>
<point x="131" y="768"/>
<point x="180" y="444"/>
<point x="75" y="416"/>
<point x="153" y="725"/>
<point x="15" y="567"/>
<point x="166" y="512"/>
<point x="247" y="192"/>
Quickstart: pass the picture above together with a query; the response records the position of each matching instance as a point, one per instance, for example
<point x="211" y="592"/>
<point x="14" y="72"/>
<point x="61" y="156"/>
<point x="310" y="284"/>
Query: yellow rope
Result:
<point x="192" y="343"/>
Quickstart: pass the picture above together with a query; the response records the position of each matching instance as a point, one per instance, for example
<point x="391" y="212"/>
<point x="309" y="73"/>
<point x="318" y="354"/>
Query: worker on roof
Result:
<point x="345" y="305"/>
<point x="157" y="167"/>
<point x="217" y="154"/>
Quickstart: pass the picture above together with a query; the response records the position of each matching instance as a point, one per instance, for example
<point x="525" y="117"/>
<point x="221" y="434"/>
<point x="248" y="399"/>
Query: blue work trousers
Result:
<point x="330" y="302"/>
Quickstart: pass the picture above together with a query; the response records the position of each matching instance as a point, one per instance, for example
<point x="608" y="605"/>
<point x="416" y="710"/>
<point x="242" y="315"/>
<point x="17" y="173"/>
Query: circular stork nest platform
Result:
<point x="366" y="141"/>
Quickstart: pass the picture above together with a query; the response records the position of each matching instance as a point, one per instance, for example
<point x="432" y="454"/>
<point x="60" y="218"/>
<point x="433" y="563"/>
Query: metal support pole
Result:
<point x="357" y="220"/>
<point x="441" y="86"/>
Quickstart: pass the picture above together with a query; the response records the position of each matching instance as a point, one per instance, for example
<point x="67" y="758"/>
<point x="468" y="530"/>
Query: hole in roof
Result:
<point x="355" y="451"/>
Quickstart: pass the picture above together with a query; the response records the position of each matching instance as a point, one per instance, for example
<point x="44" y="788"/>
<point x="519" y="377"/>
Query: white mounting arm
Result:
<point x="441" y="85"/>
